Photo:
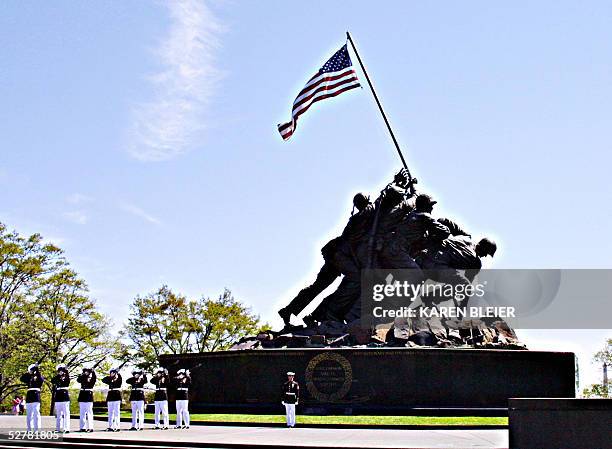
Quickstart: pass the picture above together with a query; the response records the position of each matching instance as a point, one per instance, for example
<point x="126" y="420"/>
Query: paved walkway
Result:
<point x="218" y="436"/>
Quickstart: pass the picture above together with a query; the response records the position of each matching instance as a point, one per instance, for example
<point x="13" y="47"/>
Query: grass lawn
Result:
<point x="348" y="420"/>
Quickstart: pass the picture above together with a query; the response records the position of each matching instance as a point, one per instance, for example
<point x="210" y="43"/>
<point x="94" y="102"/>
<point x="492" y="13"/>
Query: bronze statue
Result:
<point x="396" y="231"/>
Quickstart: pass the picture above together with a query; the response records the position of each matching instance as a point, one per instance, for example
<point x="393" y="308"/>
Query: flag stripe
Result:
<point x="307" y="101"/>
<point x="324" y="87"/>
<point x="287" y="129"/>
<point x="321" y="95"/>
<point x="285" y="125"/>
<point x="325" y="77"/>
<point x="328" y="95"/>
<point x="326" y="82"/>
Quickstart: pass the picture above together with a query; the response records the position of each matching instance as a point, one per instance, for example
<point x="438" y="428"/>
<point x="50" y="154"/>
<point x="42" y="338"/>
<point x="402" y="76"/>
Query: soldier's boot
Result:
<point x="310" y="321"/>
<point x="286" y="316"/>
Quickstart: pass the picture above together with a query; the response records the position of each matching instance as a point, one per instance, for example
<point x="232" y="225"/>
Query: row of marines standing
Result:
<point x="162" y="382"/>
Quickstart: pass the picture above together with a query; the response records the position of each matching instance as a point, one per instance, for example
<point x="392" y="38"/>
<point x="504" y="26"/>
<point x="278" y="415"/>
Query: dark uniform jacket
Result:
<point x="87" y="381"/>
<point x="458" y="253"/>
<point x="359" y="225"/>
<point x="114" y="385"/>
<point x="33" y="381"/>
<point x="60" y="387"/>
<point x="420" y="227"/>
<point x="137" y="384"/>
<point x="291" y="392"/>
<point x="182" y="387"/>
<point x="453" y="227"/>
<point x="161" y="387"/>
<point x="390" y="220"/>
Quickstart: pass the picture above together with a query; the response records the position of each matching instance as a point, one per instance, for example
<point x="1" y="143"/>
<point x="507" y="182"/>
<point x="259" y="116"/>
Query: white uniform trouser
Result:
<point x="138" y="414"/>
<point x="33" y="416"/>
<point x="182" y="412"/>
<point x="290" y="414"/>
<point x="62" y="416"/>
<point x="161" y="411"/>
<point x="113" y="414"/>
<point x="86" y="415"/>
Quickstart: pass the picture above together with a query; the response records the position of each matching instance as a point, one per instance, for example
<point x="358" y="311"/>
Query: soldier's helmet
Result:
<point x="114" y="370"/>
<point x="136" y="371"/>
<point x="33" y="367"/>
<point x="424" y="201"/>
<point x="360" y="201"/>
<point x="61" y="367"/>
<point x="161" y="370"/>
<point x="181" y="371"/>
<point x="486" y="247"/>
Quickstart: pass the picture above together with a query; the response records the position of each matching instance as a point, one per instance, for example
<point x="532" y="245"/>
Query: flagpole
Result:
<point x="382" y="112"/>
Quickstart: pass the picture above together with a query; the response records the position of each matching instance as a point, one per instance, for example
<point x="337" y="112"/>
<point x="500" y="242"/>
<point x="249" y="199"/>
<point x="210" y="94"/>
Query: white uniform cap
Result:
<point x="60" y="366"/>
<point x="181" y="371"/>
<point x="290" y="373"/>
<point x="32" y="366"/>
<point x="114" y="369"/>
<point x="161" y="369"/>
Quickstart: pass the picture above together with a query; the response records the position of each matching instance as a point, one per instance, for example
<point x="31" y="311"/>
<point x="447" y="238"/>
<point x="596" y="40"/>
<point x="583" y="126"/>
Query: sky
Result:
<point x="141" y="137"/>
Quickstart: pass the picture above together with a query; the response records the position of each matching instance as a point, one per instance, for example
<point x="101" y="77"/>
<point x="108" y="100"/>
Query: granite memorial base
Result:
<point x="560" y="423"/>
<point x="374" y="380"/>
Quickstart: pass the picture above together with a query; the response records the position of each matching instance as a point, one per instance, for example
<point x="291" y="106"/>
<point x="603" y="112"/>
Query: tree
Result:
<point x="605" y="355"/>
<point x="46" y="314"/>
<point x="23" y="262"/>
<point x="68" y="327"/>
<point x="601" y="357"/>
<point x="165" y="322"/>
<point x="595" y="391"/>
<point x="220" y="323"/>
<point x="158" y="323"/>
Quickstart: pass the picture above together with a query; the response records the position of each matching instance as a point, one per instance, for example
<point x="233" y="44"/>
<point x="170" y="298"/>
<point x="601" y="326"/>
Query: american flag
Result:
<point x="335" y="77"/>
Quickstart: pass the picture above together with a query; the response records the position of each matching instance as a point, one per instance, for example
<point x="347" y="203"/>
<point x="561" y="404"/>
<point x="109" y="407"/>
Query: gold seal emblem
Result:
<point x="329" y="377"/>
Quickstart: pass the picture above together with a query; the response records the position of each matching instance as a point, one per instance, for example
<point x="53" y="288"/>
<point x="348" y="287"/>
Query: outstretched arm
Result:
<point x="453" y="227"/>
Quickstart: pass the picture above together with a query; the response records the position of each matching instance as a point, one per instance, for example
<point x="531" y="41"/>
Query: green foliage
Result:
<point x="46" y="314"/>
<point x="605" y="355"/>
<point x="164" y="322"/>
<point x="596" y="391"/>
<point x="601" y="357"/>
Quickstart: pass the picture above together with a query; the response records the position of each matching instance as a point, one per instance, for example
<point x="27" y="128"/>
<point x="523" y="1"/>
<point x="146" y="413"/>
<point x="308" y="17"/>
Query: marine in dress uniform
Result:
<point x="61" y="398"/>
<point x="161" y="382"/>
<point x="113" y="399"/>
<point x="34" y="380"/>
<point x="290" y="398"/>
<point x="87" y="379"/>
<point x="182" y="381"/>
<point x="137" y="398"/>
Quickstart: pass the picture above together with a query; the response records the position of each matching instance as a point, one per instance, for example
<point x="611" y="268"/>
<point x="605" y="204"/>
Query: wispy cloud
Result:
<point x="54" y="240"/>
<point x="165" y="126"/>
<point x="78" y="198"/>
<point x="77" y="217"/>
<point x="138" y="212"/>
